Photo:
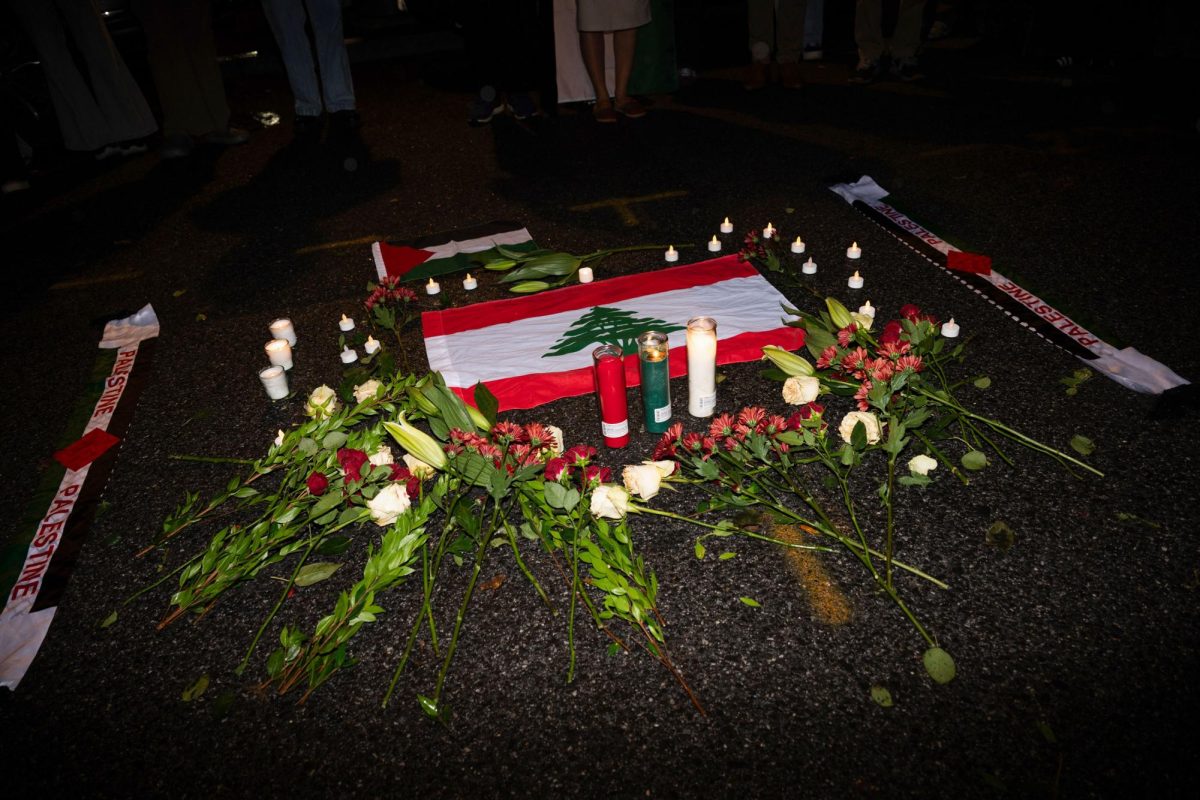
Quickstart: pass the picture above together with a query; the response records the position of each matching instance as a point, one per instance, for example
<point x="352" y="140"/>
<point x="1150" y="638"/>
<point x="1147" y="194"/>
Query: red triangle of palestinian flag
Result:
<point x="450" y="251"/>
<point x="538" y="348"/>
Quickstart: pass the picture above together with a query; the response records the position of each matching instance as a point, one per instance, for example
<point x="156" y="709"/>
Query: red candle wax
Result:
<point x="610" y="388"/>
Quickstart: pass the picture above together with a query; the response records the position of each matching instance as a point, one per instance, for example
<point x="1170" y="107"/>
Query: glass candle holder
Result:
<point x="279" y="353"/>
<point x="702" y="366"/>
<point x="609" y="362"/>
<point x="275" y="381"/>
<point x="655" y="369"/>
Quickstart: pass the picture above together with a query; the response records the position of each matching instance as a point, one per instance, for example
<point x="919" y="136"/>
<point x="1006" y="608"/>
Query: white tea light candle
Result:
<point x="371" y="345"/>
<point x="798" y="245"/>
<point x="672" y="254"/>
<point x="768" y="231"/>
<point x="867" y="310"/>
<point x="854" y="251"/>
<point x="714" y="246"/>
<point x="726" y="226"/>
<point x="950" y="329"/>
<point x="274" y="380"/>
<point x="433" y="287"/>
<point x="809" y="267"/>
<point x="702" y="366"/>
<point x="282" y="329"/>
<point x="345" y="323"/>
<point x="349" y="356"/>
<point x="856" y="281"/>
<point x="279" y="353"/>
<point x="470" y="283"/>
<point x="585" y="275"/>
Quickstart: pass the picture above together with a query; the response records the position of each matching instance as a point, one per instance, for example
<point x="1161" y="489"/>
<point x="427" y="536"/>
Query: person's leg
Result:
<point x="814" y="29"/>
<point x="117" y="94"/>
<point x="591" y="47"/>
<point x="868" y="30"/>
<point x="286" y="19"/>
<point x="760" y="21"/>
<point x="907" y="36"/>
<point x="624" y="47"/>
<point x="789" y="41"/>
<point x="337" y="86"/>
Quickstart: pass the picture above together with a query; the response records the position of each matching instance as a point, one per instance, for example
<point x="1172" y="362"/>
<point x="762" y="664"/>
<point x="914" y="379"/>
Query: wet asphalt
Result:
<point x="1076" y="647"/>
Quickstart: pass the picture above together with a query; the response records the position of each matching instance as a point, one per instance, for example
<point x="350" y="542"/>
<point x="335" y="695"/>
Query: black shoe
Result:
<point x="866" y="72"/>
<point x="906" y="70"/>
<point x="345" y="120"/>
<point x="306" y="128"/>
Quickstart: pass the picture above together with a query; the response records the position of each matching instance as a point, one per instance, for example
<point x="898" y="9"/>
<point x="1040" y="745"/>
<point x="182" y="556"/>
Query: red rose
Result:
<point x="351" y="462"/>
<point x="910" y="311"/>
<point x="891" y="332"/>
<point x="317" y="484"/>
<point x="412" y="484"/>
<point x="555" y="468"/>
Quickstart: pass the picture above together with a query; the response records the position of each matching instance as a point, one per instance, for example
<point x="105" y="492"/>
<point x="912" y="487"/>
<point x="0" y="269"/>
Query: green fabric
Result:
<point x="461" y="262"/>
<point x="654" y="64"/>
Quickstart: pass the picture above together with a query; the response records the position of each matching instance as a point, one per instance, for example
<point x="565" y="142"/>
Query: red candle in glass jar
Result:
<point x="609" y="361"/>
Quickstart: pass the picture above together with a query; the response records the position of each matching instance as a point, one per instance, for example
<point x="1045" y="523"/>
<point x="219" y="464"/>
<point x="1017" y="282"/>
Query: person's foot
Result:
<point x="813" y="52"/>
<point x="906" y="70"/>
<point x="129" y="147"/>
<point x="521" y="105"/>
<point x="865" y="72"/>
<point x="789" y="75"/>
<point x="226" y="138"/>
<point x="631" y="108"/>
<point x="606" y="115"/>
<point x="756" y="76"/>
<point x="345" y="120"/>
<point x="485" y="105"/>
<point x="176" y="145"/>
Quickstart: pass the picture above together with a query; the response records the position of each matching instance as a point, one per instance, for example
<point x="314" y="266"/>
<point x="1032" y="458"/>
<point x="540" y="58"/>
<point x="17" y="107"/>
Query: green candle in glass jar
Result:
<point x="655" y="369"/>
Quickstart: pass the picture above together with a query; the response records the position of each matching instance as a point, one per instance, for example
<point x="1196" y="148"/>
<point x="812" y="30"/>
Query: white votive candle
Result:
<point x="433" y="287"/>
<point x="702" y="366"/>
<point x="371" y="345"/>
<point x="470" y="283"/>
<point x="798" y="245"/>
<point x="809" y="267"/>
<point x="274" y="380"/>
<point x="279" y="353"/>
<point x="726" y="226"/>
<point x="856" y="281"/>
<point x="672" y="254"/>
<point x="950" y="329"/>
<point x="282" y="329"/>
<point x="867" y="310"/>
<point x="585" y="275"/>
<point x="854" y="251"/>
<point x="349" y="356"/>
<point x="768" y="231"/>
<point x="714" y="245"/>
<point x="345" y="323"/>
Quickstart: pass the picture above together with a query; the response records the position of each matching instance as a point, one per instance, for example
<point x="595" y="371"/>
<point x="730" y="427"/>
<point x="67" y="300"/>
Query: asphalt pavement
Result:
<point x="1076" y="647"/>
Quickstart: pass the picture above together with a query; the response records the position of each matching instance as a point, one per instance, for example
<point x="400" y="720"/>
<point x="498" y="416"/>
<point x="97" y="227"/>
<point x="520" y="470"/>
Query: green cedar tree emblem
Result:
<point x="601" y="325"/>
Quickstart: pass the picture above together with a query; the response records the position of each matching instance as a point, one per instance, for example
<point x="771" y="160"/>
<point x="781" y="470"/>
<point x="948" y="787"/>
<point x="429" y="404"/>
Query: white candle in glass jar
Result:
<point x="274" y="380"/>
<point x="282" y="329"/>
<point x="702" y="366"/>
<point x="279" y="353"/>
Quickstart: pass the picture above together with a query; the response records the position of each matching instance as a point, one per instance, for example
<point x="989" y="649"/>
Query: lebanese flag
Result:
<point x="538" y="348"/>
<point x="452" y="251"/>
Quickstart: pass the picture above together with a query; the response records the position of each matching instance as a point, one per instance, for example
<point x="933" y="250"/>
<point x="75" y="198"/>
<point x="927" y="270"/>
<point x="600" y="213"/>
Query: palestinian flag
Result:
<point x="452" y="251"/>
<point x="535" y="349"/>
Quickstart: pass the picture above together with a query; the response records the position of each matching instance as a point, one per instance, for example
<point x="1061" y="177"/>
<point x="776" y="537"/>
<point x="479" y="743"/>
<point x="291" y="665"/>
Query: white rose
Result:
<point x="869" y="421"/>
<point x="418" y="467"/>
<point x="863" y="321"/>
<point x="279" y="438"/>
<point x="920" y="465"/>
<point x="665" y="468"/>
<point x="390" y="503"/>
<point x="321" y="403"/>
<point x="366" y="391"/>
<point x="557" y="434"/>
<point x="643" y="480"/>
<point x="609" y="501"/>
<point x="381" y="457"/>
<point x="801" y="389"/>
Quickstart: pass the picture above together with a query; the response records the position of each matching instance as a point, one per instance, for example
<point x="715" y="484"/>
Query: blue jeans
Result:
<point x="286" y="18"/>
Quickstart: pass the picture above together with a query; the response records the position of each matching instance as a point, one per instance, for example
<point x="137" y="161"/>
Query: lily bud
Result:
<point x="417" y="442"/>
<point x="424" y="403"/>
<point x="790" y="363"/>
<point x="838" y="313"/>
<point x="481" y="422"/>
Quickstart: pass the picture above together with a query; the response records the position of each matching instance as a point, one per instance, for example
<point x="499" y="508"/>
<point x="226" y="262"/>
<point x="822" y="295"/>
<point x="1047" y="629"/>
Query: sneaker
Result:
<point x="483" y="107"/>
<point x="865" y="72"/>
<point x="521" y="105"/>
<point x="906" y="70"/>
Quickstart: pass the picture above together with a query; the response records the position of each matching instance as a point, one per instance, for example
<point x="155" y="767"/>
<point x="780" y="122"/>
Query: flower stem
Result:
<point x="209" y="459"/>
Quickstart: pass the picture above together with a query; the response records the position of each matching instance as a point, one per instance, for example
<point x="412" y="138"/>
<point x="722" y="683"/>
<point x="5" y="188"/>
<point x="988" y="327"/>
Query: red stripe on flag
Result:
<point x="570" y="298"/>
<point x="399" y="259"/>
<point x="537" y="388"/>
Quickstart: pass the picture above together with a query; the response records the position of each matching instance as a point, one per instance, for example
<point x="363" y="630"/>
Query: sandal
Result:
<point x="632" y="109"/>
<point x="607" y="114"/>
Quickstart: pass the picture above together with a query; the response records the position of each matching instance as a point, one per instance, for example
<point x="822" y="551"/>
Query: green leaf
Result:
<point x="486" y="402"/>
<point x="700" y="551"/>
<point x="316" y="572"/>
<point x="939" y="665"/>
<point x="333" y="440"/>
<point x="982" y="383"/>
<point x="325" y="504"/>
<point x="1047" y="732"/>
<point x="500" y="264"/>
<point x="556" y="494"/>
<point x="1082" y="445"/>
<point x="974" y="459"/>
<point x="529" y="287"/>
<point x="999" y="535"/>
<point x="223" y="704"/>
<point x="728" y="554"/>
<point x="428" y="705"/>
<point x="858" y="437"/>
<point x="881" y="695"/>
<point x="109" y="620"/>
<point x="307" y="446"/>
<point x="196" y="689"/>
<point x="750" y="601"/>
<point x="333" y="546"/>
<point x="614" y="649"/>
